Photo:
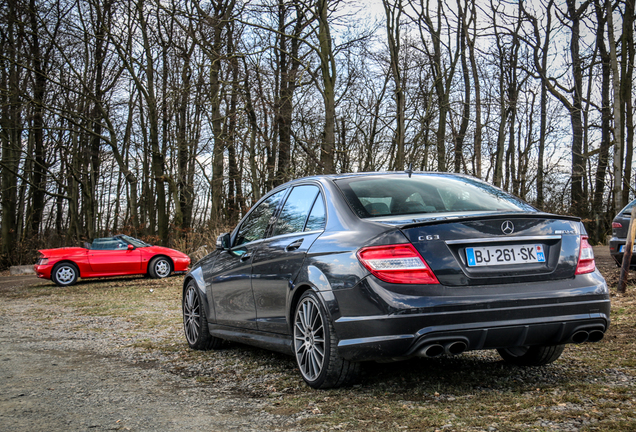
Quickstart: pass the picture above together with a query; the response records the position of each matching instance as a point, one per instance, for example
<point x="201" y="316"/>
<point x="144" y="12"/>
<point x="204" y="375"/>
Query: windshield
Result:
<point x="395" y="194"/>
<point x="133" y="241"/>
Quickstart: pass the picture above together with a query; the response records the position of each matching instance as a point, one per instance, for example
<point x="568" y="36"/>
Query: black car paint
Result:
<point x="374" y="319"/>
<point x="619" y="235"/>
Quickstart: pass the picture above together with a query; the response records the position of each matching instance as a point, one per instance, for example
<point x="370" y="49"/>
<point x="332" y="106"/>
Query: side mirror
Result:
<point x="131" y="247"/>
<point x="223" y="241"/>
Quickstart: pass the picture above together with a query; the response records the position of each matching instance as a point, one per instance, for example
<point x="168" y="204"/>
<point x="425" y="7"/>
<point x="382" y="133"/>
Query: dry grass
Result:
<point x="592" y="386"/>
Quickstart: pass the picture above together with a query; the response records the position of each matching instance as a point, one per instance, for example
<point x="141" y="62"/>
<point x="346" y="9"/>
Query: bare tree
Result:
<point x="432" y="23"/>
<point x="393" y="12"/>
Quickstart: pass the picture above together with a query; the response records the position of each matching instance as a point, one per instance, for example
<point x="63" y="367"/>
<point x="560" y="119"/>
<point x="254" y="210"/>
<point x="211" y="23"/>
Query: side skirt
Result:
<point x="271" y="341"/>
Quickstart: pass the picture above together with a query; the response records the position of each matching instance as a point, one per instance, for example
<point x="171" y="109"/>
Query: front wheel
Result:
<point x="315" y="347"/>
<point x="65" y="274"/>
<point x="531" y="355"/>
<point x="195" y="322"/>
<point x="159" y="267"/>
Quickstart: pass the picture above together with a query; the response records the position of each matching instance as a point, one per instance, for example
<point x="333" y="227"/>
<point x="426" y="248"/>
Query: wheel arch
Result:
<point x="160" y="255"/>
<point x="67" y="261"/>
<point x="298" y="293"/>
<point x="317" y="282"/>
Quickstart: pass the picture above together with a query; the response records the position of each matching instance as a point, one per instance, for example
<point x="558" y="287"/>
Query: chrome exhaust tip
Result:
<point x="580" y="336"/>
<point x="595" y="336"/>
<point x="431" y="351"/>
<point x="455" y="348"/>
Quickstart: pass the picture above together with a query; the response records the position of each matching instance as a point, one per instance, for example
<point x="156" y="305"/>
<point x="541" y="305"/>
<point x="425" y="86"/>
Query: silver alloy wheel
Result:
<point x="162" y="268"/>
<point x="65" y="274"/>
<point x="309" y="339"/>
<point x="191" y="316"/>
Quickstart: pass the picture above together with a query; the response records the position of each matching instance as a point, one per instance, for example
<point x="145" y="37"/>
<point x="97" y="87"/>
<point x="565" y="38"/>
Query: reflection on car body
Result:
<point x="341" y="269"/>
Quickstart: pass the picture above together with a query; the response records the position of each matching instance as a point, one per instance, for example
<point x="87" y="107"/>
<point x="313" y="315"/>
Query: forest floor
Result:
<point x="110" y="355"/>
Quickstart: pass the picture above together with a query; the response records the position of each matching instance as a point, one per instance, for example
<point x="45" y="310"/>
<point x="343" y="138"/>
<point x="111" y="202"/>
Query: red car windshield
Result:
<point x="133" y="241"/>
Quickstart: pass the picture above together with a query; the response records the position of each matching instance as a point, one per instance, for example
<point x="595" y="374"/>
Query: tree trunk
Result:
<point x="11" y="132"/>
<point x="618" y="123"/>
<point x="38" y="182"/>
<point x="328" y="69"/>
<point x="475" y="76"/>
<point x="393" y="13"/>
<point x="579" y="200"/>
<point x="288" y="67"/>
<point x="627" y="81"/>
<point x="459" y="138"/>
<point x="606" y="115"/>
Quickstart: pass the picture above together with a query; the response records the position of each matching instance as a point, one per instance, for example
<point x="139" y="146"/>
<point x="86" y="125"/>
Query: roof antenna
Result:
<point x="410" y="170"/>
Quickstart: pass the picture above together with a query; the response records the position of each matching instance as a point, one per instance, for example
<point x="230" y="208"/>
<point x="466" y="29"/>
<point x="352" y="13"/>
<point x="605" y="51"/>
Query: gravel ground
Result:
<point x="61" y="376"/>
<point x="71" y="371"/>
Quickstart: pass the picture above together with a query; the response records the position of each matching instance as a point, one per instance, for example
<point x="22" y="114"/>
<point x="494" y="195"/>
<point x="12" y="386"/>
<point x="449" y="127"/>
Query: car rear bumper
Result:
<point x="615" y="245"/>
<point x="537" y="315"/>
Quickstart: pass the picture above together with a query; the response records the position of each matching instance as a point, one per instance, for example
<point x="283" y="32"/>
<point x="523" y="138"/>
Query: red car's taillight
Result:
<point x="617" y="225"/>
<point x="42" y="261"/>
<point x="399" y="263"/>
<point x="586" y="258"/>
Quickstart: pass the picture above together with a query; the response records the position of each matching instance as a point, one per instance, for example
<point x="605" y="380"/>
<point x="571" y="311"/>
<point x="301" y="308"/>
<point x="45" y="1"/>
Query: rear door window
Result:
<point x="294" y="214"/>
<point x="318" y="216"/>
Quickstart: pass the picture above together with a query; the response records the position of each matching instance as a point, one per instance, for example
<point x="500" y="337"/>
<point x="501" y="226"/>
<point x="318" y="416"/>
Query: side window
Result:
<point x="253" y="228"/>
<point x="109" y="243"/>
<point x="317" y="217"/>
<point x="296" y="209"/>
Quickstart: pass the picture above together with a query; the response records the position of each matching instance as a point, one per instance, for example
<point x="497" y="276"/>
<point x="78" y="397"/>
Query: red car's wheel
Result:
<point x="65" y="274"/>
<point x="160" y="267"/>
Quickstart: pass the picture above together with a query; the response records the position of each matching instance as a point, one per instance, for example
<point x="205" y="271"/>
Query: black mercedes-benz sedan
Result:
<point x="341" y="269"/>
<point x="620" y="229"/>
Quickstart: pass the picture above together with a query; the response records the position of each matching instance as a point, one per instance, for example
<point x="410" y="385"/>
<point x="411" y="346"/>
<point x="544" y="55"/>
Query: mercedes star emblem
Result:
<point x="507" y="227"/>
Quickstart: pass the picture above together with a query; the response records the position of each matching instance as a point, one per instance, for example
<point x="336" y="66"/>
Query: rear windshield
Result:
<point x="392" y="195"/>
<point x="628" y="208"/>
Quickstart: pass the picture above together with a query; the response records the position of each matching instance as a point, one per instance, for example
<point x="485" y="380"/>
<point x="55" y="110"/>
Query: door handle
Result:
<point x="246" y="256"/>
<point x="294" y="245"/>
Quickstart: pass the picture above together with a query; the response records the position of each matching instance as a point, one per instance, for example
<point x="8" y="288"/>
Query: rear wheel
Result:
<point x="195" y="322"/>
<point x="65" y="274"/>
<point x="159" y="267"/>
<point x="531" y="356"/>
<point x="315" y="347"/>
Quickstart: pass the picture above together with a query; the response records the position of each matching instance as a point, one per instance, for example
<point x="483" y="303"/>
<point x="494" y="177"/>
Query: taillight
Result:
<point x="43" y="261"/>
<point x="586" y="258"/>
<point x="617" y="225"/>
<point x="399" y="263"/>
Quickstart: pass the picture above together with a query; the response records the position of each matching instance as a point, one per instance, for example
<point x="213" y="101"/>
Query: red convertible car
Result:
<point x="110" y="256"/>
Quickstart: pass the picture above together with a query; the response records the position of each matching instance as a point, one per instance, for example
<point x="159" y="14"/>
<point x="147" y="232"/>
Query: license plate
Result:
<point x="504" y="255"/>
<point x="621" y="249"/>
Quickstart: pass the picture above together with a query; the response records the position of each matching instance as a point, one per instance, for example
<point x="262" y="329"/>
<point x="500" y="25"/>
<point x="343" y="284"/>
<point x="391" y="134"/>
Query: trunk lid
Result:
<point x="495" y="248"/>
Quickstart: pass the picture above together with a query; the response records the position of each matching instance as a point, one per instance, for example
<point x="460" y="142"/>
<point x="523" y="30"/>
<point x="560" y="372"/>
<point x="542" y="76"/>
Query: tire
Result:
<point x="65" y="274"/>
<point x="195" y="322"/>
<point x="316" y="347"/>
<point x="159" y="267"/>
<point x="531" y="356"/>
